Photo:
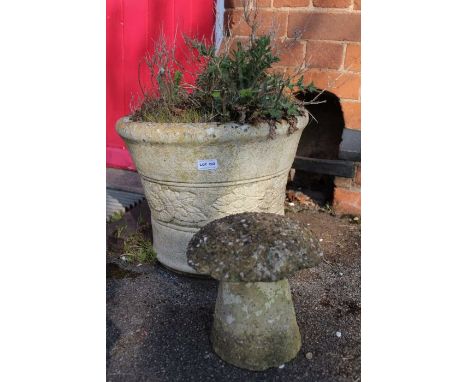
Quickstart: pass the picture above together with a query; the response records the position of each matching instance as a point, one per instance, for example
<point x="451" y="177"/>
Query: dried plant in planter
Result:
<point x="167" y="98"/>
<point x="234" y="84"/>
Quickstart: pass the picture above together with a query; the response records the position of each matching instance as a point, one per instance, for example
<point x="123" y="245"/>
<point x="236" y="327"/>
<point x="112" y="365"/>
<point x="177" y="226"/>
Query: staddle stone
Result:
<point x="251" y="254"/>
<point x="253" y="246"/>
<point x="255" y="324"/>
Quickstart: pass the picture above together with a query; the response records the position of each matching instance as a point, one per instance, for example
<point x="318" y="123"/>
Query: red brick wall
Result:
<point x="330" y="42"/>
<point x="347" y="196"/>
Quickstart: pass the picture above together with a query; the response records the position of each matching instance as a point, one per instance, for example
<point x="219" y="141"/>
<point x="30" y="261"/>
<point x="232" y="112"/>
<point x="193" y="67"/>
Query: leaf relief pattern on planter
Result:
<point x="194" y="205"/>
<point x="265" y="196"/>
<point x="172" y="205"/>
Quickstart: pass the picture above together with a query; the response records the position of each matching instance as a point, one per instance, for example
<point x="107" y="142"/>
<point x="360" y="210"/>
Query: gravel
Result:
<point x="158" y="322"/>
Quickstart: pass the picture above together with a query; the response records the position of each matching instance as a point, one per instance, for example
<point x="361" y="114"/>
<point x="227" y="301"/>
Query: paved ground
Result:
<point x="123" y="180"/>
<point x="158" y="322"/>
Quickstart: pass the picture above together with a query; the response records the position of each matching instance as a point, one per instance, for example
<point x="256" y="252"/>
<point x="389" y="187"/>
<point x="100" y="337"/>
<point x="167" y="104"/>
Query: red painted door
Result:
<point x="132" y="26"/>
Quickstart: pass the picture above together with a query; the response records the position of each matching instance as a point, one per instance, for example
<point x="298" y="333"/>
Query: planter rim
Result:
<point x="205" y="132"/>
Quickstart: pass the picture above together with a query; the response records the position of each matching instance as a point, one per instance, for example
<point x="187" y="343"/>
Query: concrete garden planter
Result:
<point x="195" y="173"/>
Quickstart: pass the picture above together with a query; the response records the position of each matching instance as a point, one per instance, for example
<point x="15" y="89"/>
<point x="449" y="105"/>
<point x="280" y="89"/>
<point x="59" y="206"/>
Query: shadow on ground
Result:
<point x="158" y="323"/>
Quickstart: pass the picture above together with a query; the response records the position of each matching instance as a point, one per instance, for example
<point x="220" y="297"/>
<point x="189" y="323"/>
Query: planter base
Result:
<point x="170" y="245"/>
<point x="180" y="210"/>
<point x="186" y="274"/>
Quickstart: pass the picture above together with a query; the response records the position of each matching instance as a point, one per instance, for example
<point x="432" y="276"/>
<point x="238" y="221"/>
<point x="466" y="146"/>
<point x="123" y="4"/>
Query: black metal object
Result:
<point x="334" y="167"/>
<point x="350" y="147"/>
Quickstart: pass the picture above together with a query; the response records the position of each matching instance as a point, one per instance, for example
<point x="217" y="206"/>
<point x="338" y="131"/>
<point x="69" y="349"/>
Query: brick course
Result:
<point x="238" y="3"/>
<point x="268" y="21"/>
<point x="321" y="54"/>
<point x="353" y="58"/>
<point x="325" y="26"/>
<point x="352" y="114"/>
<point x="347" y="193"/>
<point x="291" y="52"/>
<point x="344" y="85"/>
<point x="332" y="3"/>
<point x="347" y="201"/>
<point x="290" y="3"/>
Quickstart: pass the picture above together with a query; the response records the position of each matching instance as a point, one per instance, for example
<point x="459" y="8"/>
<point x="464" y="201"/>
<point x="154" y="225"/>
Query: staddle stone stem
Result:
<point x="255" y="324"/>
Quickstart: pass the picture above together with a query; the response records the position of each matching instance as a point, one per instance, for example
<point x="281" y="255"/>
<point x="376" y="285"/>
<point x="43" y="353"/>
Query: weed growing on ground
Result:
<point x="119" y="231"/>
<point x="138" y="249"/>
<point x="327" y="208"/>
<point x="116" y="216"/>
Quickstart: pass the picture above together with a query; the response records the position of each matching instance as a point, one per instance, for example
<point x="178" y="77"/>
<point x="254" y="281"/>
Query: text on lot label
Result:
<point x="207" y="164"/>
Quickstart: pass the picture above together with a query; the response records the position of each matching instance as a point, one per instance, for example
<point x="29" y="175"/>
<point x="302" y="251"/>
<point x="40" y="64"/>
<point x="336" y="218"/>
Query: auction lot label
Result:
<point x="207" y="164"/>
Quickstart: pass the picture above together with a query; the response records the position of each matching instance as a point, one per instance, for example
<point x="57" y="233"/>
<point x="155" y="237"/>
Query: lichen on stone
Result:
<point x="253" y="246"/>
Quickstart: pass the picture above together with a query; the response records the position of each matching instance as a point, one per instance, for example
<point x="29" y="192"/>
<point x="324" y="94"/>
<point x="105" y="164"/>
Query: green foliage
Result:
<point x="236" y="85"/>
<point x="239" y="86"/>
<point x="138" y="249"/>
<point x="116" y="216"/>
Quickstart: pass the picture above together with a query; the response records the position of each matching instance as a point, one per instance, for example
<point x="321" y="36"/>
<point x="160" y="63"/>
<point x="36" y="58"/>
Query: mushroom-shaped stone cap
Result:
<point x="253" y="247"/>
